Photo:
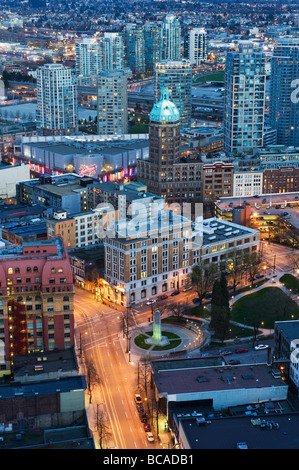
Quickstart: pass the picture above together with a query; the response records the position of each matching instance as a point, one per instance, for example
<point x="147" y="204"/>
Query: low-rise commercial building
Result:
<point x="9" y="176"/>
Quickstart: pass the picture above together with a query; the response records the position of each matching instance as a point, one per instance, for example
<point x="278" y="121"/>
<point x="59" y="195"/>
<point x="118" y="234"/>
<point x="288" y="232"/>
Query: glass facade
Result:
<point x="244" y="106"/>
<point x="177" y="77"/>
<point x="284" y="95"/>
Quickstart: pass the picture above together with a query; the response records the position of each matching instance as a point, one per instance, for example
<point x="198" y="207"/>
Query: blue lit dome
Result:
<point x="165" y="110"/>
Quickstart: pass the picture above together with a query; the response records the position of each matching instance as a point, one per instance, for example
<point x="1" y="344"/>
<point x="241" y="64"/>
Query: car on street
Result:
<point x="187" y="288"/>
<point x="261" y="346"/>
<point x="151" y="301"/>
<point x="196" y="300"/>
<point x="163" y="297"/>
<point x="259" y="276"/>
<point x="241" y="350"/>
<point x="150" y="437"/>
<point x="225" y="353"/>
<point x="138" y="399"/>
<point x="147" y="427"/>
<point x="176" y="292"/>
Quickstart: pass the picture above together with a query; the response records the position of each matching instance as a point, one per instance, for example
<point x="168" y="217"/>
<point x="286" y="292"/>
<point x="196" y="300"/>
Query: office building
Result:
<point x="284" y="106"/>
<point x="217" y="180"/>
<point x="89" y="59"/>
<point x="113" y="51"/>
<point x="151" y="255"/>
<point x="36" y="298"/>
<point x="247" y="183"/>
<point x="135" y="49"/>
<point x="164" y="173"/>
<point x="171" y="38"/>
<point x="152" y="38"/>
<point x="112" y="102"/>
<point x="9" y="175"/>
<point x="197" y="46"/>
<point x="64" y="192"/>
<point x="244" y="108"/>
<point x="177" y="77"/>
<point x="57" y="107"/>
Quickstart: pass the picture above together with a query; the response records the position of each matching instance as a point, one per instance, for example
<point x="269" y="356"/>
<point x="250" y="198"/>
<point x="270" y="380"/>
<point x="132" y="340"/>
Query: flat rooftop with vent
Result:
<point x="221" y="386"/>
<point x="216" y="238"/>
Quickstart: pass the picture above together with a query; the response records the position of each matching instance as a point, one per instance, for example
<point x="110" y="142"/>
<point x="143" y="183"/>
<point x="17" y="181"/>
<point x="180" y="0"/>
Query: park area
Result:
<point x="264" y="307"/>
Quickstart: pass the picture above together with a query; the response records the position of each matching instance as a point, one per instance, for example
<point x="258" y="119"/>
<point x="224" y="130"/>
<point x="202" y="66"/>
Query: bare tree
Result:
<point x="92" y="378"/>
<point x="235" y="268"/>
<point x="203" y="277"/>
<point x="178" y="309"/>
<point x="252" y="264"/>
<point x="144" y="376"/>
<point x="103" y="428"/>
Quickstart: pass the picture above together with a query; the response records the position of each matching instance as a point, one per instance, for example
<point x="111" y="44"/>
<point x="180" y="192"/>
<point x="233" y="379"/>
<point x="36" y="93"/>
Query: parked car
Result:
<point x="138" y="399"/>
<point x="277" y="207"/>
<point x="163" y="297"/>
<point x="147" y="427"/>
<point x="150" y="437"/>
<point x="261" y="346"/>
<point x="176" y="292"/>
<point x="259" y="276"/>
<point x="196" y="300"/>
<point x="187" y="288"/>
<point x="225" y="353"/>
<point x="251" y="279"/>
<point x="241" y="350"/>
<point x="151" y="301"/>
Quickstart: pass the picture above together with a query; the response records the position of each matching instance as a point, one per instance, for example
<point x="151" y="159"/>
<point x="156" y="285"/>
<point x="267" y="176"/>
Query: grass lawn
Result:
<point x="212" y="77"/>
<point x="291" y="282"/>
<point x="266" y="305"/>
<point x="174" y="341"/>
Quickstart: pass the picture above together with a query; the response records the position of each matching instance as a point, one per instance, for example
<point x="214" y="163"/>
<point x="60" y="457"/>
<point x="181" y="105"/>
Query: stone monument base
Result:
<point x="162" y="342"/>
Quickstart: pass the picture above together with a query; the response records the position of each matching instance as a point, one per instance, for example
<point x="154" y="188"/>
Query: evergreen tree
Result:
<point x="220" y="310"/>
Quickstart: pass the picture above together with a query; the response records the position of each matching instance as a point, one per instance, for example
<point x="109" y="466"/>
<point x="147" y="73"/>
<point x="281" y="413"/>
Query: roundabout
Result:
<point x="159" y="340"/>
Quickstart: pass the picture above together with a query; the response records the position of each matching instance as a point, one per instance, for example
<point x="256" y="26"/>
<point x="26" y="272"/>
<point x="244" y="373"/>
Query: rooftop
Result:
<point x="44" y="362"/>
<point x="289" y="328"/>
<point x="226" y="433"/>
<point x="210" y="379"/>
<point x="215" y="230"/>
<point x="47" y="387"/>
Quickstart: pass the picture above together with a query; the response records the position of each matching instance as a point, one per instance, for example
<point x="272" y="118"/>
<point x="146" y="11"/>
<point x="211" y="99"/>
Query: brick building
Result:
<point x="217" y="180"/>
<point x="281" y="180"/>
<point x="36" y="303"/>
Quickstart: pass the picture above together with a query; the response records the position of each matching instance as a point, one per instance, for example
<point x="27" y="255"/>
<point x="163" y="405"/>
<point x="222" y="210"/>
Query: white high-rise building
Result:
<point x="89" y="59"/>
<point x="113" y="51"/>
<point x="197" y="45"/>
<point x="244" y="104"/>
<point x="112" y="102"/>
<point x="171" y="38"/>
<point x="57" y="102"/>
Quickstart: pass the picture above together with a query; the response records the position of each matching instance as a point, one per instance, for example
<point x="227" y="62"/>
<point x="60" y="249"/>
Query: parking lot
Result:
<point x="250" y="357"/>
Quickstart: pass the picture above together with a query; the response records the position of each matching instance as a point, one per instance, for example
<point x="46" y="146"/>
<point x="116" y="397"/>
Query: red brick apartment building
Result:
<point x="36" y="299"/>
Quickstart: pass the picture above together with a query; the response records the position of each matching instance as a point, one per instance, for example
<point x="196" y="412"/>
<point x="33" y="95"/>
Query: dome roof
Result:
<point x="165" y="110"/>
